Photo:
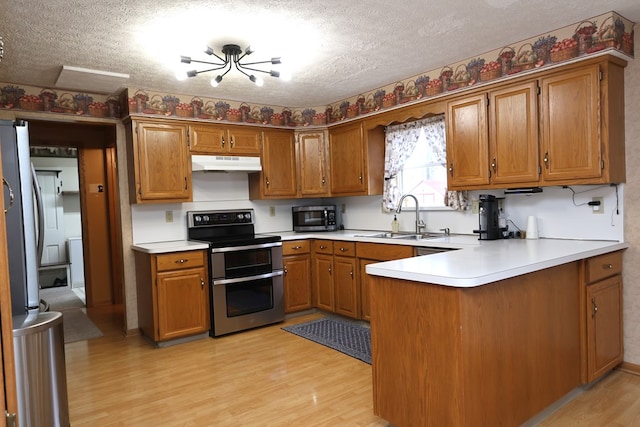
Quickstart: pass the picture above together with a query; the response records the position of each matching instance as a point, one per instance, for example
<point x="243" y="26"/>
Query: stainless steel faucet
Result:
<point x="419" y="223"/>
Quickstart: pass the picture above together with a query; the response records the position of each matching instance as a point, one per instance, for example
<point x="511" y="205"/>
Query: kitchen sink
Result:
<point x="403" y="236"/>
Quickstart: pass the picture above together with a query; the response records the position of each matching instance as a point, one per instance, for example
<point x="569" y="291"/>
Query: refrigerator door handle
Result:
<point x="40" y="212"/>
<point x="11" y="197"/>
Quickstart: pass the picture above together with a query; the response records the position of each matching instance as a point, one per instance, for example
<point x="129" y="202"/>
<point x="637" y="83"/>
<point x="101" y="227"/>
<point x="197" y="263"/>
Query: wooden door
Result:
<point x="571" y="145"/>
<point x="323" y="282"/>
<point x="313" y="176"/>
<point x="278" y="164"/>
<point x="467" y="142"/>
<point x="182" y="303"/>
<point x="347" y="157"/>
<point x="163" y="163"/>
<point x="604" y="326"/>
<point x="346" y="289"/>
<point x="513" y="135"/>
<point x="297" y="283"/>
<point x="208" y="139"/>
<point x="244" y="141"/>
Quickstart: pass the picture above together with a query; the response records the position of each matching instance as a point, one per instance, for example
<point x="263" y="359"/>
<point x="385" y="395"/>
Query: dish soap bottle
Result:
<point x="395" y="225"/>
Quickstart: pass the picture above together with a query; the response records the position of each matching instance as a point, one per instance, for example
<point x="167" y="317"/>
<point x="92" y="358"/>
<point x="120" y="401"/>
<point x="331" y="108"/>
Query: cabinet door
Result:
<point x="208" y="139"/>
<point x="571" y="146"/>
<point x="313" y="177"/>
<point x="244" y="141"/>
<point x="278" y="165"/>
<point x="323" y="282"/>
<point x="365" y="305"/>
<point x="513" y="135"/>
<point x="604" y="326"/>
<point x="183" y="303"/>
<point x="467" y="142"/>
<point x="163" y="163"/>
<point x="346" y="153"/>
<point x="346" y="290"/>
<point x="297" y="283"/>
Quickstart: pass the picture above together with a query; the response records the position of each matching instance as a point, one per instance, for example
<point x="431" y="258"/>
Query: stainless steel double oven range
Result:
<point x="245" y="270"/>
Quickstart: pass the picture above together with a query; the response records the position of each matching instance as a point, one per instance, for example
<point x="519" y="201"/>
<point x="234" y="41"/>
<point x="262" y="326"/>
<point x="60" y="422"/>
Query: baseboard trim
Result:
<point x="132" y="332"/>
<point x="629" y="368"/>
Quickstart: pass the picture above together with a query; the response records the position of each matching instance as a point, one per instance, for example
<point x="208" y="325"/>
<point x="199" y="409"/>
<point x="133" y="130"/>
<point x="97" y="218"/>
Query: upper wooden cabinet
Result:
<point x="564" y="127"/>
<point x="278" y="176"/>
<point x="313" y="164"/>
<point x="225" y="140"/>
<point x="356" y="160"/>
<point x="159" y="162"/>
<point x="582" y="112"/>
<point x="492" y="138"/>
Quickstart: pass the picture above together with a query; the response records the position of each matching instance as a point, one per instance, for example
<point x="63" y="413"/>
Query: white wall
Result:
<point x="557" y="215"/>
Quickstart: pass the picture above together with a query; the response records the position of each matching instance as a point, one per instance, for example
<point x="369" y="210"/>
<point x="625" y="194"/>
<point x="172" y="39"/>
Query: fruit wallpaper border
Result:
<point x="609" y="31"/>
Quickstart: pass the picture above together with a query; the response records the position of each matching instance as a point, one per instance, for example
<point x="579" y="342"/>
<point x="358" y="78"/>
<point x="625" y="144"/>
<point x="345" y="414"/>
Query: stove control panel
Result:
<point x="219" y="218"/>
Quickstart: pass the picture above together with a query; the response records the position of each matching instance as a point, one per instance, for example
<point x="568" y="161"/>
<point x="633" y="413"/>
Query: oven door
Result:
<point x="247" y="302"/>
<point x="245" y="261"/>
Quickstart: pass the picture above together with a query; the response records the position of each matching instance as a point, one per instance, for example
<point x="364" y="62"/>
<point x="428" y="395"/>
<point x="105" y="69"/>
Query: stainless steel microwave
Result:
<point x="314" y="218"/>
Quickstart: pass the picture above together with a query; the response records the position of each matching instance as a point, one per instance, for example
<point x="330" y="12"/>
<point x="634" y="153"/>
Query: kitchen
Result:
<point x="364" y="212"/>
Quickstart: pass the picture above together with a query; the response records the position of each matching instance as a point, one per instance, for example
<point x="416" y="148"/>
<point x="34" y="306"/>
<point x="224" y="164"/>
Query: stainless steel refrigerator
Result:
<point x="38" y="336"/>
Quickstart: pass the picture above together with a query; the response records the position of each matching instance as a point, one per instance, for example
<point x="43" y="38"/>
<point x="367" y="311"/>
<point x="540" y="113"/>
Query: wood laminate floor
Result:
<point x="263" y="377"/>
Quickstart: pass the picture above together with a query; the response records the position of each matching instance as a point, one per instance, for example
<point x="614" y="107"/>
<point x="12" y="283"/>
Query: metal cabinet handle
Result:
<point x="295" y="248"/>
<point x="594" y="307"/>
<point x="201" y="283"/>
<point x="343" y="249"/>
<point x="546" y="160"/>
<point x="285" y="270"/>
<point x="329" y="270"/>
<point x="351" y="273"/>
<point x="451" y="169"/>
<point x="323" y="247"/>
<point x="223" y="142"/>
<point x="608" y="266"/>
<point x="6" y="184"/>
<point x="267" y="182"/>
<point x="493" y="164"/>
<point x="232" y="142"/>
<point x="181" y="261"/>
<point x="360" y="177"/>
<point x="323" y="180"/>
<point x="185" y="183"/>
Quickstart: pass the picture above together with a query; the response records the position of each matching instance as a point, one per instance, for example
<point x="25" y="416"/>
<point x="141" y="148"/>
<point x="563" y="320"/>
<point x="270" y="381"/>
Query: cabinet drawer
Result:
<point x="603" y="266"/>
<point x="344" y="248"/>
<point x="383" y="252"/>
<point x="323" y="246"/>
<point x="295" y="247"/>
<point x="180" y="260"/>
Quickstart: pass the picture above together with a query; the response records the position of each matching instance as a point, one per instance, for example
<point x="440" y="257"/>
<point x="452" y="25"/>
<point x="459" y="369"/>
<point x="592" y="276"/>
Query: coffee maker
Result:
<point x="489" y="218"/>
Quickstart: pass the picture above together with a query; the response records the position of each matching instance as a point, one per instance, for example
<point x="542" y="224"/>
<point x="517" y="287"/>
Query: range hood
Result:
<point x="225" y="163"/>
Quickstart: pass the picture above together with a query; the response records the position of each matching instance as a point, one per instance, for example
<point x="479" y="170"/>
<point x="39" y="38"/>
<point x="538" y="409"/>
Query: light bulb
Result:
<point x="215" y="82"/>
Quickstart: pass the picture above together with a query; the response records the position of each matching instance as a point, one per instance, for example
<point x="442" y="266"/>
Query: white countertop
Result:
<point x="491" y="260"/>
<point x="171" y="246"/>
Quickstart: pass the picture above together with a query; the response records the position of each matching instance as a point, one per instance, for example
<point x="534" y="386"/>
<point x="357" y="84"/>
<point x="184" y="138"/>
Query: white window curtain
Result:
<point x="400" y="142"/>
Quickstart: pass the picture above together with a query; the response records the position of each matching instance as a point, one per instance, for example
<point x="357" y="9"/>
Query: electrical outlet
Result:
<point x="475" y="206"/>
<point x="168" y="216"/>
<point x="272" y="211"/>
<point x="598" y="209"/>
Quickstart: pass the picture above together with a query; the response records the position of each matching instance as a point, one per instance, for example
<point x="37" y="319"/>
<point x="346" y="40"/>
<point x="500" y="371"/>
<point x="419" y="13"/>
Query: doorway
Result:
<point x="97" y="198"/>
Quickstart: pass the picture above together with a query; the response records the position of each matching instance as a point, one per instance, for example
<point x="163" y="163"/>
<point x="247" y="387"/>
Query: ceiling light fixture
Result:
<point x="233" y="54"/>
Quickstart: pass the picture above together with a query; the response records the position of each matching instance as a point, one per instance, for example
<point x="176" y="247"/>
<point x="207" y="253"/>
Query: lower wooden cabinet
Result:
<point x="323" y="289"/>
<point x="347" y="294"/>
<point x="370" y="253"/>
<point x="173" y="294"/>
<point x="603" y="314"/>
<point x="296" y="262"/>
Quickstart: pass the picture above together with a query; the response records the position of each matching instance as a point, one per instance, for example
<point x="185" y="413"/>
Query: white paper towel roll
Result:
<point x="532" y="227"/>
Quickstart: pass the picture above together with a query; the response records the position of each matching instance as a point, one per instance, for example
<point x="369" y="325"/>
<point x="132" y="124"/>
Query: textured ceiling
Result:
<point x="336" y="49"/>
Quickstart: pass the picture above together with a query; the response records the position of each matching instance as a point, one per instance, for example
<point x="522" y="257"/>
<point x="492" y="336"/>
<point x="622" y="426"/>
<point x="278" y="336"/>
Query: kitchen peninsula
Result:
<point x="494" y="333"/>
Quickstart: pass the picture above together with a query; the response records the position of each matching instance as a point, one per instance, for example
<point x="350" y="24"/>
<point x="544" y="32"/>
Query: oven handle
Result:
<point x="217" y="282"/>
<point x="244" y="248"/>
